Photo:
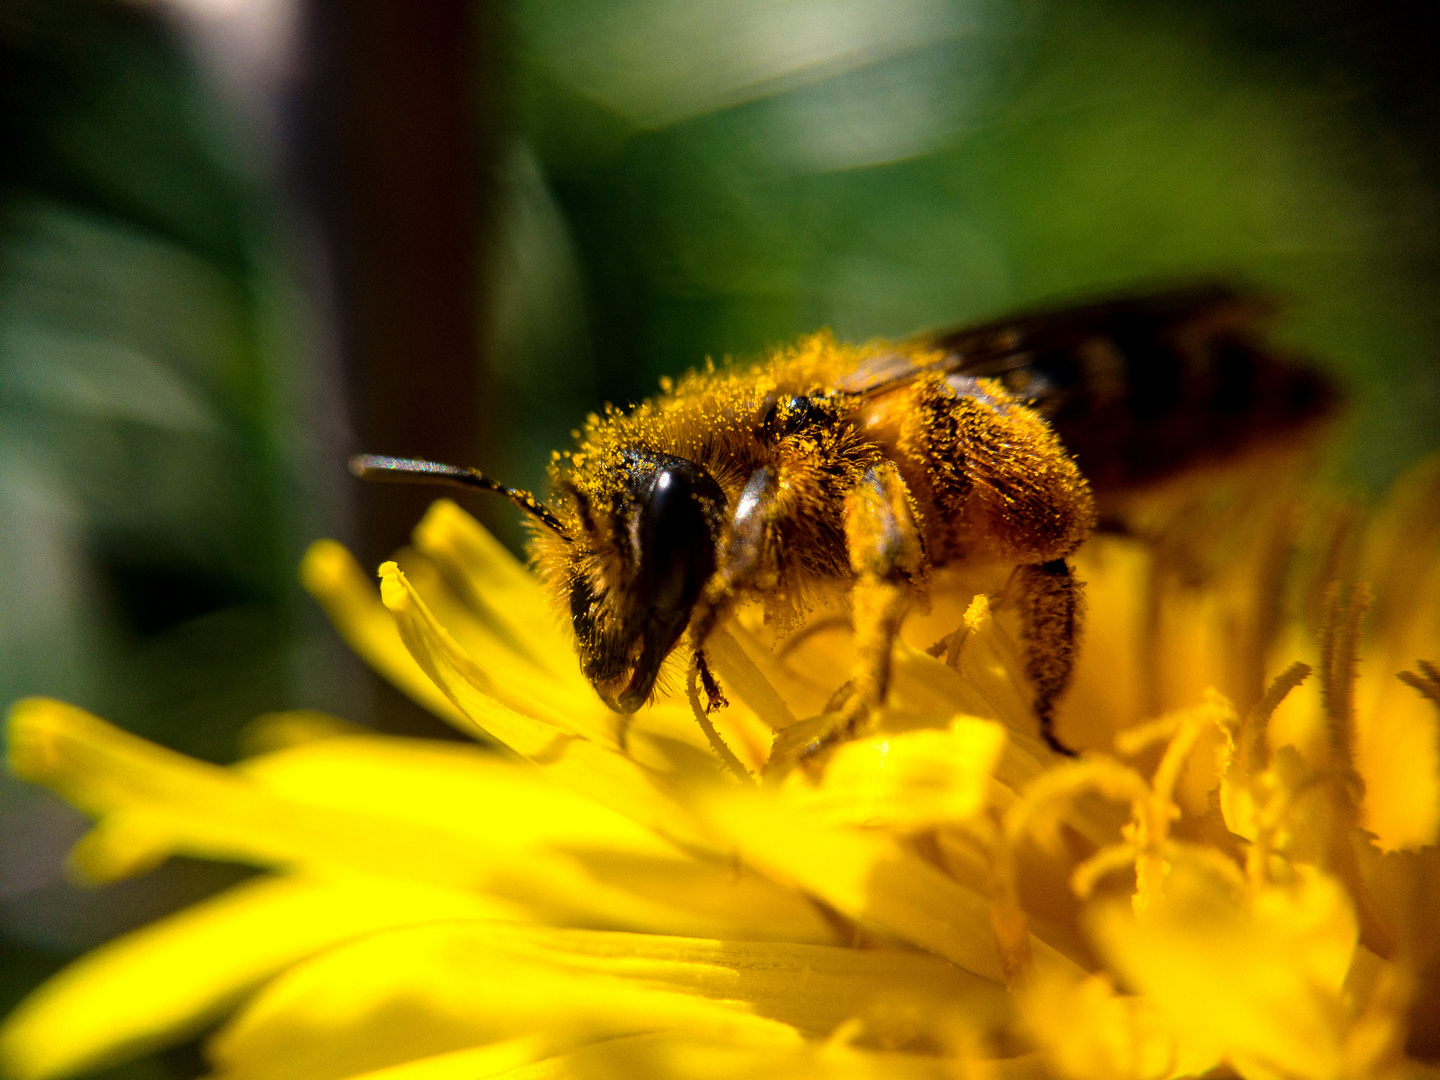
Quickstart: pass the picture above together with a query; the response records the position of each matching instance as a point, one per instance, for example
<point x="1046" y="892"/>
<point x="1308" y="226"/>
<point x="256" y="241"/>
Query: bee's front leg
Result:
<point x="746" y="559"/>
<point x="887" y="558"/>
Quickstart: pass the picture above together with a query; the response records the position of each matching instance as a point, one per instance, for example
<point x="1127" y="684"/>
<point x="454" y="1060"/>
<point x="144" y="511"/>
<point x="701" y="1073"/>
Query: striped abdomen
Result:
<point x="1140" y="389"/>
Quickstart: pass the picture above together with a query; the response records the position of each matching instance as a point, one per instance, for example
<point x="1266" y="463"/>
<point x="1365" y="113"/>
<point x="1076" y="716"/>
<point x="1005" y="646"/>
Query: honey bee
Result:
<point x="867" y="467"/>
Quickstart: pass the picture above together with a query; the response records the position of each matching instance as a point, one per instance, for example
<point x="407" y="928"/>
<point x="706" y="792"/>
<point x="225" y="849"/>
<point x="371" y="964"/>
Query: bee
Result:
<point x="869" y="467"/>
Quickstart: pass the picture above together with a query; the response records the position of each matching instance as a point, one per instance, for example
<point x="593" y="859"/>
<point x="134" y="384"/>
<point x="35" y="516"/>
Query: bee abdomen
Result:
<point x="1140" y="390"/>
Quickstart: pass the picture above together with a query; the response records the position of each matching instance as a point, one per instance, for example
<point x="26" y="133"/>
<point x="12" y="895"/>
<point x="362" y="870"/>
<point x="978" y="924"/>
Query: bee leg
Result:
<point x="745" y="558"/>
<point x="840" y="698"/>
<point x="886" y="556"/>
<point x="714" y="697"/>
<point x="1050" y="601"/>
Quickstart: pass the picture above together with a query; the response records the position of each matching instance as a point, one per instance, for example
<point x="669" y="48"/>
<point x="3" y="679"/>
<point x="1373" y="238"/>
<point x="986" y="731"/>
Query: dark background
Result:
<point x="241" y="240"/>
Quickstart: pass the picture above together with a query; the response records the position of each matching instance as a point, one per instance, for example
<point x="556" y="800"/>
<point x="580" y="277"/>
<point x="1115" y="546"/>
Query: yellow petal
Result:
<point x="270" y="732"/>
<point x="752" y="683"/>
<point x="809" y="987"/>
<point x="670" y="1056"/>
<point x="990" y="666"/>
<point x="908" y="780"/>
<point x="578" y="985"/>
<point x="682" y="1056"/>
<point x="619" y="874"/>
<point x="523" y="683"/>
<point x="1093" y="1033"/>
<point x="1397" y="753"/>
<point x="158" y="984"/>
<point x="1398" y="731"/>
<point x="412" y="993"/>
<point x="331" y="575"/>
<point x="597" y="768"/>
<point x="866" y="876"/>
<point x="1108" y="691"/>
<point x="149" y="794"/>
<point x="473" y="1063"/>
<point x="154" y="802"/>
<point x="498" y="590"/>
<point x="484" y="601"/>
<point x="665" y="1056"/>
<point x="457" y="787"/>
<point x="1258" y="984"/>
<point x="927" y="691"/>
<point x="805" y="669"/>
<point x="514" y="686"/>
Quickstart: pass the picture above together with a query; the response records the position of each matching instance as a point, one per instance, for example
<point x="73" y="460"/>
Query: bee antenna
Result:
<point x="395" y="470"/>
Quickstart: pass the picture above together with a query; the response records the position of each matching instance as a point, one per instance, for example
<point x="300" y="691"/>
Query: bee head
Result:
<point x="654" y="551"/>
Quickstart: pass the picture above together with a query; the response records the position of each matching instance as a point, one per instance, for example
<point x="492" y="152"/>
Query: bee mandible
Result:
<point x="870" y="466"/>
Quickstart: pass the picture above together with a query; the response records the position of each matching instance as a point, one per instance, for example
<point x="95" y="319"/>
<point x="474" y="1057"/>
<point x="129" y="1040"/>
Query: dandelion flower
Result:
<point x="1239" y="872"/>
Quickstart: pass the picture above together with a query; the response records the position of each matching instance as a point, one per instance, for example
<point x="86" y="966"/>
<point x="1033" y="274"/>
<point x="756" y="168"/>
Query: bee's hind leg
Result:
<point x="886" y="557"/>
<point x="1050" y="610"/>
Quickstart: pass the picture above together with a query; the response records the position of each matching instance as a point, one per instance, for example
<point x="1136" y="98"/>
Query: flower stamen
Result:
<point x="1428" y="684"/>
<point x="1254" y="749"/>
<point x="1339" y="665"/>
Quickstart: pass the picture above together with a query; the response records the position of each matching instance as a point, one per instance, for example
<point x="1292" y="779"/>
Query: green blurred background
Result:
<point x="242" y="239"/>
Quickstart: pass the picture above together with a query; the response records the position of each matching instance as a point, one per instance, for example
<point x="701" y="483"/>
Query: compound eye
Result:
<point x="677" y="537"/>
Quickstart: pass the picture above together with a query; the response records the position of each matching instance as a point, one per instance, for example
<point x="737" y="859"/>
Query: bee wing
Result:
<point x="1137" y="387"/>
<point x="1052" y="354"/>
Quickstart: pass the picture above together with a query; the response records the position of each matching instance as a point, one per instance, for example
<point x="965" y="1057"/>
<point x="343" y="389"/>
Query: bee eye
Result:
<point x="678" y="527"/>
